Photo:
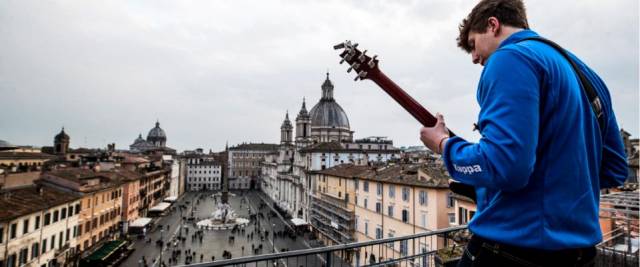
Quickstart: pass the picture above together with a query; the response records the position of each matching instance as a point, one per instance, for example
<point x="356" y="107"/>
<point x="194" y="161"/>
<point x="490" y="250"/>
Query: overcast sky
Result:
<point x="218" y="71"/>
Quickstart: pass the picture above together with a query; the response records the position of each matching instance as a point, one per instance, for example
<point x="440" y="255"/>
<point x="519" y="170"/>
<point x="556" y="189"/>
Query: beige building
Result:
<point x="360" y="203"/>
<point x="101" y="202"/>
<point x="38" y="226"/>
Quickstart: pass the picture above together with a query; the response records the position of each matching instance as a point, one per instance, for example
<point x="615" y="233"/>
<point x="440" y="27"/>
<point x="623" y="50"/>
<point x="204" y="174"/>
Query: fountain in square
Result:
<point x="224" y="217"/>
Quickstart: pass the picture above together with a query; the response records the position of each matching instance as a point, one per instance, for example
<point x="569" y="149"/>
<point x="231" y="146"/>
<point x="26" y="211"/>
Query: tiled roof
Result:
<point x="250" y="146"/>
<point x="24" y="155"/>
<point x="26" y="200"/>
<point x="393" y="173"/>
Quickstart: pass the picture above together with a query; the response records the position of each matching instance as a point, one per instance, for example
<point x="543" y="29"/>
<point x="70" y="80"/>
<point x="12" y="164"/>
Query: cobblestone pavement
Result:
<point x="213" y="243"/>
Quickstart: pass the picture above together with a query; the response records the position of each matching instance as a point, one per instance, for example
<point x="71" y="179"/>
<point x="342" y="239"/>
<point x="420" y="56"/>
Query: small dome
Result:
<point x="4" y="145"/>
<point x="156" y="133"/>
<point x="62" y="136"/>
<point x="139" y="139"/>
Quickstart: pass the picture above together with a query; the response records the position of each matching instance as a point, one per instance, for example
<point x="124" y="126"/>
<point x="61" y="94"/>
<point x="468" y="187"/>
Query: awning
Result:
<point x="171" y="199"/>
<point x="140" y="222"/>
<point x="298" y="222"/>
<point x="160" y="207"/>
<point x="106" y="250"/>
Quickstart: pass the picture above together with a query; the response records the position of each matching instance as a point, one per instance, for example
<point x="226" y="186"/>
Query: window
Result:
<point x="405" y="215"/>
<point x="405" y="194"/>
<point x="44" y="246"/>
<point x="47" y="219"/>
<point x="77" y="209"/>
<point x="422" y="198"/>
<point x="390" y="235"/>
<point x="63" y="213"/>
<point x="1" y="235"/>
<point x="450" y="200"/>
<point x="11" y="261"/>
<point x="25" y="226"/>
<point x="379" y="189"/>
<point x="355" y="184"/>
<point x="392" y="191"/>
<point x="379" y="232"/>
<point x="55" y="216"/>
<point x="366" y="186"/>
<point x="35" y="250"/>
<point x="37" y="223"/>
<point x="53" y="241"/>
<point x="462" y="216"/>
<point x="14" y="231"/>
<point x="365" y="203"/>
<point x="366" y="228"/>
<point x="378" y="207"/>
<point x="356" y="223"/>
<point x="404" y="245"/>
<point x="452" y="218"/>
<point x="23" y="256"/>
<point x="67" y="236"/>
<point x="390" y="211"/>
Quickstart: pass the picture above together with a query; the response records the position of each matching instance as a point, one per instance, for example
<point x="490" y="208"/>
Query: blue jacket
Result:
<point x="541" y="161"/>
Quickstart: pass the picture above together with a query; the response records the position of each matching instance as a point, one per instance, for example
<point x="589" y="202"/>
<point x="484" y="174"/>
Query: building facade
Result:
<point x="360" y="203"/>
<point x="100" y="203"/>
<point x="203" y="173"/>
<point x="38" y="226"/>
<point x="244" y="164"/>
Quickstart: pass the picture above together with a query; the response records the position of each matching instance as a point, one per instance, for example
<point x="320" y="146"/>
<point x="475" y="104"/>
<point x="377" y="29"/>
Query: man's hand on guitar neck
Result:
<point x="435" y="137"/>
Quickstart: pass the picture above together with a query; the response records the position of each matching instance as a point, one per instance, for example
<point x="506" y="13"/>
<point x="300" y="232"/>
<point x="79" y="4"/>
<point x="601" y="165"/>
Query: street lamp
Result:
<point x="161" y="246"/>
<point x="273" y="236"/>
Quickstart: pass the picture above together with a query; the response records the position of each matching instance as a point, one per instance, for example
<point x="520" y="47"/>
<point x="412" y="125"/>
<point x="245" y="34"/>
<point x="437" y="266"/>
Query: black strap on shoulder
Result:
<point x="587" y="87"/>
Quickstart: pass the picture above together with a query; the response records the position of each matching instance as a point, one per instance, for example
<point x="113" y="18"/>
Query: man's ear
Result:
<point x="494" y="25"/>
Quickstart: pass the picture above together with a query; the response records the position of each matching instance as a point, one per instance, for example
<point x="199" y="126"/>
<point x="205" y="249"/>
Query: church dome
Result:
<point x="156" y="134"/>
<point x="327" y="113"/>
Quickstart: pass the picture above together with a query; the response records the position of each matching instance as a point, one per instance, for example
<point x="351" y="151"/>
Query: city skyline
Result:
<point x="108" y="71"/>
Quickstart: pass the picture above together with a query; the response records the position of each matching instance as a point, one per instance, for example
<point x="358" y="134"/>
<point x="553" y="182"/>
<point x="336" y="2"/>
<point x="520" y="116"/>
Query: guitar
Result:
<point x="367" y="68"/>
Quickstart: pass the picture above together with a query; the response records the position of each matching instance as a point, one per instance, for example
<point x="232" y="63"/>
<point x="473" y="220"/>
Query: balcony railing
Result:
<point x="418" y="250"/>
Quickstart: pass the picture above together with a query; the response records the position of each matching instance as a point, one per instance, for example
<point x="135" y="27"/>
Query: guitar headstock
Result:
<point x="358" y="61"/>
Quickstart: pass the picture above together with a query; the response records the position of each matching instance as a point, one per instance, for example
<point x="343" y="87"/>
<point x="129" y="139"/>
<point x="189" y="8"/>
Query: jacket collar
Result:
<point x="518" y="36"/>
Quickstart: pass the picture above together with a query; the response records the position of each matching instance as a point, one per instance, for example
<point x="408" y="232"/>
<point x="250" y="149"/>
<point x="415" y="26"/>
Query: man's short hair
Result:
<point x="508" y="12"/>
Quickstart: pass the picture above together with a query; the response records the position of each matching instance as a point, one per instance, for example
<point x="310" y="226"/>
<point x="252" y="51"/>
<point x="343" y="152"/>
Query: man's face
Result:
<point x="482" y="45"/>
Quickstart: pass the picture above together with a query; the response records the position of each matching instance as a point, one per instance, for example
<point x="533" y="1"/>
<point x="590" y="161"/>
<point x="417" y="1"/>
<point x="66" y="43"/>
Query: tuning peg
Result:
<point x="339" y="46"/>
<point x="343" y="58"/>
<point x="362" y="74"/>
<point x="356" y="78"/>
<point x="349" y="69"/>
<point x="362" y="56"/>
<point x="372" y="62"/>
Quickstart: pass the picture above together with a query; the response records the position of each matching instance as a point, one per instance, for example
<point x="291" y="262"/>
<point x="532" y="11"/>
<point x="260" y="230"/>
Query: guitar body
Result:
<point x="367" y="68"/>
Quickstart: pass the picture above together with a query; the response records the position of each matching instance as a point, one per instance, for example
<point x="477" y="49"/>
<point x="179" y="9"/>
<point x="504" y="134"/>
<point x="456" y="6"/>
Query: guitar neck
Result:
<point x="405" y="100"/>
